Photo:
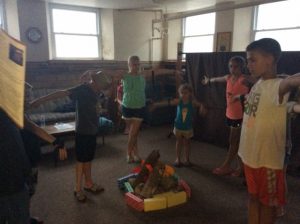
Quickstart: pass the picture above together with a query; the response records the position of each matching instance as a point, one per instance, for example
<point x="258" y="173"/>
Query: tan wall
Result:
<point x="174" y="36"/>
<point x="242" y="28"/>
<point x="133" y="32"/>
<point x="33" y="14"/>
<point x="107" y="30"/>
<point x="224" y="23"/>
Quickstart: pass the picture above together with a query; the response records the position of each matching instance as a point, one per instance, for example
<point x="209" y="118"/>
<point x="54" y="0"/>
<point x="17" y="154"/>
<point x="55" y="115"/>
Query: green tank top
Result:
<point x="133" y="91"/>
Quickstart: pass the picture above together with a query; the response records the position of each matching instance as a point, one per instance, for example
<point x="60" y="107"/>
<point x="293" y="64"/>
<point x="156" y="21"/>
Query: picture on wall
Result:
<point x="223" y="42"/>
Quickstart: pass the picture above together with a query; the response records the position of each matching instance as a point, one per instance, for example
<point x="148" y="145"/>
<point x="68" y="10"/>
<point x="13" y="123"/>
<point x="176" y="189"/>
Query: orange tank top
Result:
<point x="234" y="110"/>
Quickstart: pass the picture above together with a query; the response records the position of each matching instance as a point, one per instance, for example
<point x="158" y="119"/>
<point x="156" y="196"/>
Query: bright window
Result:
<point x="198" y="33"/>
<point x="285" y="27"/>
<point x="75" y="32"/>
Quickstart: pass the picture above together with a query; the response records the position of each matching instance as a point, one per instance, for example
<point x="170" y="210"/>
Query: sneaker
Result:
<point x="80" y="196"/>
<point x="129" y="159"/>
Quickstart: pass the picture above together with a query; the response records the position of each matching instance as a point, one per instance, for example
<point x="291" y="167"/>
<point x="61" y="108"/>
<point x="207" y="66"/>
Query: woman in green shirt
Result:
<point x="133" y="105"/>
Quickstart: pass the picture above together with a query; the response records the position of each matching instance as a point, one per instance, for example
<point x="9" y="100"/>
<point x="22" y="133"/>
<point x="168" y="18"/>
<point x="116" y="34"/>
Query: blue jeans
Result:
<point x="14" y="209"/>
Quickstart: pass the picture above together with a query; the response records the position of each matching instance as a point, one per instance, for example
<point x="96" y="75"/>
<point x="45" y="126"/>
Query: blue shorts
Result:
<point x="85" y="147"/>
<point x="236" y="123"/>
<point x="133" y="114"/>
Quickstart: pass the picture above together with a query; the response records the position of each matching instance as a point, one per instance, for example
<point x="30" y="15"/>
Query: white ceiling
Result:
<point x="168" y="6"/>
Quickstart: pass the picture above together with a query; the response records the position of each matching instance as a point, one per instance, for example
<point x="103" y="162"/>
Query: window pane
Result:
<point x="72" y="46"/>
<point x="201" y="24"/>
<point x="71" y="21"/>
<point x="287" y="15"/>
<point x="198" y="44"/>
<point x="288" y="39"/>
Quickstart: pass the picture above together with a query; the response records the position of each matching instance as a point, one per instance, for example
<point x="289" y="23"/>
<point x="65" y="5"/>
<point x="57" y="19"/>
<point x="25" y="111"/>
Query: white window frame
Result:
<point x="2" y="14"/>
<point x="255" y="20"/>
<point x="52" y="33"/>
<point x="201" y="35"/>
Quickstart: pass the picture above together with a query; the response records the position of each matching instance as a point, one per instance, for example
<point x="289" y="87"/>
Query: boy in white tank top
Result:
<point x="263" y="137"/>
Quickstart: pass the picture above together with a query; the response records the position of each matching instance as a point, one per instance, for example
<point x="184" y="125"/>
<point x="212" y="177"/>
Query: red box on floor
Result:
<point x="134" y="201"/>
<point x="186" y="187"/>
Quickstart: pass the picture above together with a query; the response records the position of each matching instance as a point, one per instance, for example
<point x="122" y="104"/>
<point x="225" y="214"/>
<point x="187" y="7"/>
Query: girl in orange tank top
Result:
<point x="235" y="90"/>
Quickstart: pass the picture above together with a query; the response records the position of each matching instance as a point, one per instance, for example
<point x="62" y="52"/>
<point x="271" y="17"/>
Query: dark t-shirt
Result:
<point x="14" y="165"/>
<point x="86" y="101"/>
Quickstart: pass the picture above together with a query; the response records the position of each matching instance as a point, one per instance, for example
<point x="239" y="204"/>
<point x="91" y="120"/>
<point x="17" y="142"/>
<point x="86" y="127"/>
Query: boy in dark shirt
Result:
<point x="87" y="109"/>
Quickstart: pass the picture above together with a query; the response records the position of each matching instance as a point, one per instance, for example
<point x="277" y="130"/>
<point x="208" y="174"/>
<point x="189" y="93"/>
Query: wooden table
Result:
<point x="60" y="128"/>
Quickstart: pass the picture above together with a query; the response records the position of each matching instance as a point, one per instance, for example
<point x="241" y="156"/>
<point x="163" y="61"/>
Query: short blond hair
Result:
<point x="133" y="58"/>
<point x="185" y="86"/>
<point x="102" y="79"/>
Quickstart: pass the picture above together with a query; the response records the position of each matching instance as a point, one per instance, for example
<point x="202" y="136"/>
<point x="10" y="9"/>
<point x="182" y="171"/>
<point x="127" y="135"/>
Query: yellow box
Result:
<point x="172" y="198"/>
<point x="176" y="198"/>
<point x="163" y="195"/>
<point x="152" y="204"/>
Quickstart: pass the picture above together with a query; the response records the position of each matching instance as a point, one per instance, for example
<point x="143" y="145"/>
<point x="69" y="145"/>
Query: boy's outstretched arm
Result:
<point x="286" y="85"/>
<point x="51" y="96"/>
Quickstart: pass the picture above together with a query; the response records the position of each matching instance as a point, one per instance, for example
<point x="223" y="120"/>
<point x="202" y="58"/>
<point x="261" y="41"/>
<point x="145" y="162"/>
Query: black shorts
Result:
<point x="135" y="114"/>
<point x="234" y="123"/>
<point x="85" y="147"/>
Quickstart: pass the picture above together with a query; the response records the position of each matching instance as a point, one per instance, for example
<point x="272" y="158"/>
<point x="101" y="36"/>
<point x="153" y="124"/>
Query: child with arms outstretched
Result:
<point x="133" y="105"/>
<point x="86" y="98"/>
<point x="235" y="90"/>
<point x="263" y="135"/>
<point x="183" y="125"/>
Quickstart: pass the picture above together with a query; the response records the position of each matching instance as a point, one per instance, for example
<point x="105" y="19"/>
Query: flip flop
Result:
<point x="221" y="171"/>
<point x="236" y="173"/>
<point x="95" y="189"/>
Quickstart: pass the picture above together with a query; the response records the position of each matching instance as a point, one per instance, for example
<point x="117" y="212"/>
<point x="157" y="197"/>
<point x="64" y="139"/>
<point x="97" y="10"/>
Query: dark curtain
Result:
<point x="212" y="128"/>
